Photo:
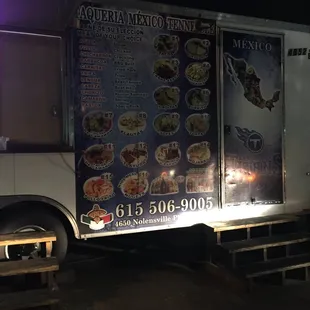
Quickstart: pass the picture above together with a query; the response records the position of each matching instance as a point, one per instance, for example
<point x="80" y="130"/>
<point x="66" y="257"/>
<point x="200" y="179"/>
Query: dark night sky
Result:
<point x="297" y="11"/>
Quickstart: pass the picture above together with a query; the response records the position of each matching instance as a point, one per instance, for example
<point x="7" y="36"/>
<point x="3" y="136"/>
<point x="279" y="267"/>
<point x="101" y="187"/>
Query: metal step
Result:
<point x="275" y="266"/>
<point x="252" y="222"/>
<point x="265" y="242"/>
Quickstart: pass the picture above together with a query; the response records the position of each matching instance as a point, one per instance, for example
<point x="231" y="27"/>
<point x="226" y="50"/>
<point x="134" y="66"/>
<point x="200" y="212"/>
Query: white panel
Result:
<point x="6" y="174"/>
<point x="50" y="175"/>
<point x="297" y="101"/>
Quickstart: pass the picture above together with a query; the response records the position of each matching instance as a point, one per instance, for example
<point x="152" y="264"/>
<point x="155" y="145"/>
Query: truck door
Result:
<point x="297" y="120"/>
<point x="30" y="89"/>
<point x="30" y="99"/>
<point x="252" y="106"/>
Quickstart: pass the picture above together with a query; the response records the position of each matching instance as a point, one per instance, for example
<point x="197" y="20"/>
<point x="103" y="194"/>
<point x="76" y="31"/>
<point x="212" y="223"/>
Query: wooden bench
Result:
<point x="45" y="266"/>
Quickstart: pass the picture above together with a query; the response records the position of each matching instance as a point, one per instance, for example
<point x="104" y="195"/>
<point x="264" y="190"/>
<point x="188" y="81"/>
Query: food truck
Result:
<point x="138" y="117"/>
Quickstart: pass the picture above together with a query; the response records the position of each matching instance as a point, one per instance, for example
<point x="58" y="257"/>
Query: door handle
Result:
<point x="54" y="111"/>
<point x="227" y="130"/>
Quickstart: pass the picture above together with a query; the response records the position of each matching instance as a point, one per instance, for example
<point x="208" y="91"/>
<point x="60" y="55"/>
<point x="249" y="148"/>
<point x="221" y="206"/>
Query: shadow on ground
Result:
<point x="132" y="282"/>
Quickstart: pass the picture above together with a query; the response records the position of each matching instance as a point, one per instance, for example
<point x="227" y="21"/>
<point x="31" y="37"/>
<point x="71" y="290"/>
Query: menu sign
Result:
<point x="146" y="132"/>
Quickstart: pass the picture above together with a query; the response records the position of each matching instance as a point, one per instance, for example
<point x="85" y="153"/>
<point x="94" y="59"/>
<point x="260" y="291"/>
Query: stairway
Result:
<point x="273" y="250"/>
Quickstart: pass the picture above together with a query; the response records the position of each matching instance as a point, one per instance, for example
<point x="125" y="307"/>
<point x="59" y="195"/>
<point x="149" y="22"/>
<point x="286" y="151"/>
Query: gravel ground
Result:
<point x="97" y="286"/>
<point x="131" y="283"/>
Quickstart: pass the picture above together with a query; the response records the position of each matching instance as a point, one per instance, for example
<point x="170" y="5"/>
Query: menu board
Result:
<point x="146" y="131"/>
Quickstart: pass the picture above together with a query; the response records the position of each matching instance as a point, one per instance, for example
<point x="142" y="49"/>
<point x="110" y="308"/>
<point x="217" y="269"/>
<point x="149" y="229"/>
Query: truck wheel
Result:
<point x="34" y="220"/>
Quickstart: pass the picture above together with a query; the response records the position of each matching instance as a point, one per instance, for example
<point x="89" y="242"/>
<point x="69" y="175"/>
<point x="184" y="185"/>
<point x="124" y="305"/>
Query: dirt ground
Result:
<point x="130" y="282"/>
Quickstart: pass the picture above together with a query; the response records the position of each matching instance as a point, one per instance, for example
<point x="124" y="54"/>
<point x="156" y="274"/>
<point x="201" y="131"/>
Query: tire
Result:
<point x="36" y="217"/>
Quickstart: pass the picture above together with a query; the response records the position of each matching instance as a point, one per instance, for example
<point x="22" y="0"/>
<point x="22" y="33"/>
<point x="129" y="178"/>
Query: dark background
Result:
<point x="289" y="11"/>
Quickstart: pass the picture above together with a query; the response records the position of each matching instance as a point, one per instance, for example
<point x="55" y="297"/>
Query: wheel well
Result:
<point x="39" y="206"/>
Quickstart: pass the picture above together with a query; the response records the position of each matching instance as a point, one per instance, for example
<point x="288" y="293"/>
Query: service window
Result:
<point x="30" y="90"/>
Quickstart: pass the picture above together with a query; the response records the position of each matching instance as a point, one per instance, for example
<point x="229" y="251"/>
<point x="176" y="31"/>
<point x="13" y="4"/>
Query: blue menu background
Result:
<point x="145" y="55"/>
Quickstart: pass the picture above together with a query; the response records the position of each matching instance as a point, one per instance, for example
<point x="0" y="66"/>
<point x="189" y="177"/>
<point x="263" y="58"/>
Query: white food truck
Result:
<point x="138" y="117"/>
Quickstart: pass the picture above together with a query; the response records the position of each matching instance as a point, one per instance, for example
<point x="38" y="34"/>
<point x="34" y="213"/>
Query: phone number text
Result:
<point x="163" y="207"/>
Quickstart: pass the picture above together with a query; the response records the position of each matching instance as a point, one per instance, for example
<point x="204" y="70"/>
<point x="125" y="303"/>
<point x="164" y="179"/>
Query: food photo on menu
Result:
<point x="135" y="185"/>
<point x="132" y="123"/>
<point x="164" y="185"/>
<point x="167" y="97"/>
<point x="198" y="98"/>
<point x="200" y="181"/>
<point x="166" y="44"/>
<point x="99" y="156"/>
<point x="167" y="124"/>
<point x="198" y="124"/>
<point x="168" y="154"/>
<point x="134" y="155"/>
<point x="99" y="188"/>
<point x="199" y="153"/>
<point x="197" y="49"/>
<point x="166" y="69"/>
<point x="197" y="73"/>
<point x="98" y="124"/>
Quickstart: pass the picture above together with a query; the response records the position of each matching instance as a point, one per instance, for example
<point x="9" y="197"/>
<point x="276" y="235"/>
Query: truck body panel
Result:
<point x="7" y="168"/>
<point x="29" y="170"/>
<point x="297" y="136"/>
